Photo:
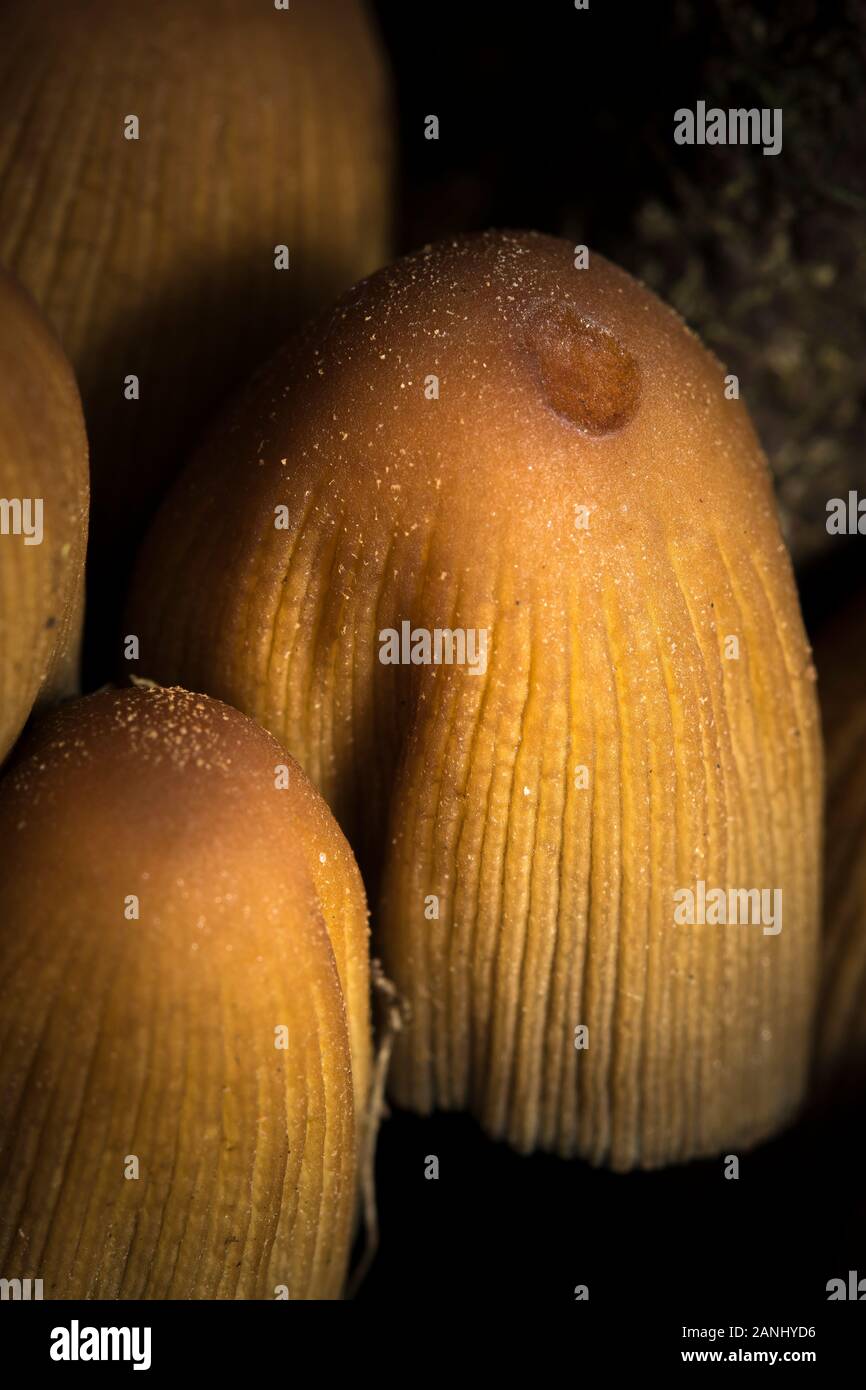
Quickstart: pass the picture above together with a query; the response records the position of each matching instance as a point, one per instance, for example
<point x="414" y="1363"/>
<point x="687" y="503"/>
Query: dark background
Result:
<point x="562" y="121"/>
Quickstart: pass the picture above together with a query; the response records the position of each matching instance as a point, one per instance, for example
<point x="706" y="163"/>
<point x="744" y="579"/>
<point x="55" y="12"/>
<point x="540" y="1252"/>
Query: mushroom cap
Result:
<point x="485" y="437"/>
<point x="161" y="920"/>
<point x="43" y="462"/>
<point x="155" y="256"/>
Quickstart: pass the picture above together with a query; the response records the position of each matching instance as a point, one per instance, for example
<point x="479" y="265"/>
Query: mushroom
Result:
<point x="487" y="444"/>
<point x="180" y="182"/>
<point x="43" y="514"/>
<point x="183" y="943"/>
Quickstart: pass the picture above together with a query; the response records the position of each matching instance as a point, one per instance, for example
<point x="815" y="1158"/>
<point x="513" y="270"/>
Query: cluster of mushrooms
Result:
<point x="483" y="436"/>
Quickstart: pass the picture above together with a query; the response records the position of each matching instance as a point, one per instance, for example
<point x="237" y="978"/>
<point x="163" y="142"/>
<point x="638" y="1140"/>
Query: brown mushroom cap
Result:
<point x="154" y="1035"/>
<point x="43" y="459"/>
<point x="155" y="256"/>
<point x="485" y="437"/>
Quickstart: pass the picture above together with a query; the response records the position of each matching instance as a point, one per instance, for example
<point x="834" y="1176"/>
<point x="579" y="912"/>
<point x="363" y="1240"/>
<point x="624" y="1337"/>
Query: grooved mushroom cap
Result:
<point x="155" y="256"/>
<point x="43" y="514"/>
<point x="484" y="437"/>
<point x="162" y="915"/>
